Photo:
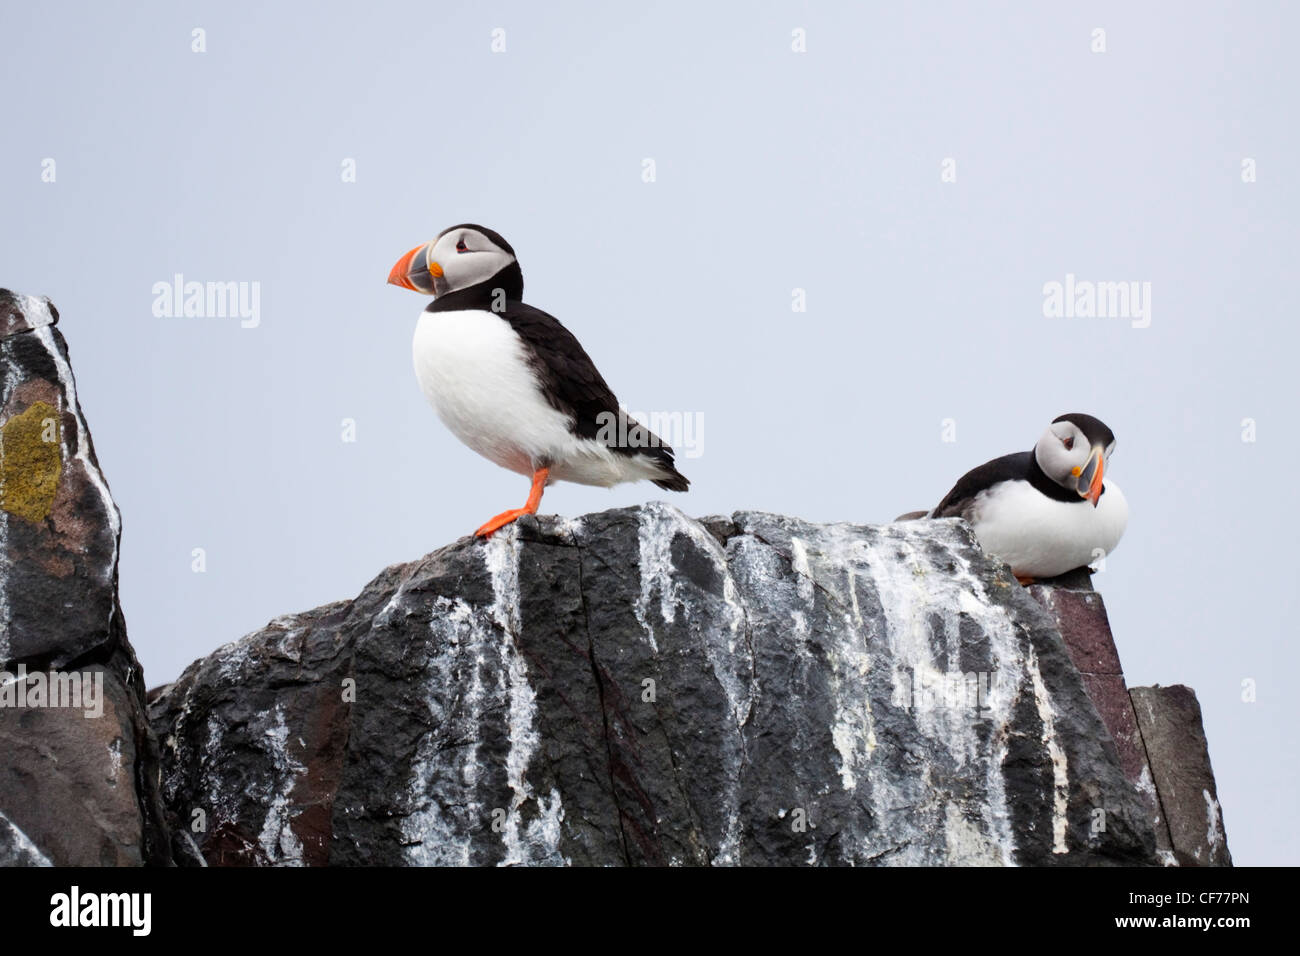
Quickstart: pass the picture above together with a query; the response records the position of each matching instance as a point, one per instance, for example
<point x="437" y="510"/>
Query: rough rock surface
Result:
<point x="640" y="687"/>
<point x="1170" y="723"/>
<point x="1080" y="613"/>
<point x="74" y="789"/>
<point x="1166" y="751"/>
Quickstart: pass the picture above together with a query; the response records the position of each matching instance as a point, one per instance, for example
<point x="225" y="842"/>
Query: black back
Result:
<point x="1015" y="467"/>
<point x="1020" y="466"/>
<point x="569" y="378"/>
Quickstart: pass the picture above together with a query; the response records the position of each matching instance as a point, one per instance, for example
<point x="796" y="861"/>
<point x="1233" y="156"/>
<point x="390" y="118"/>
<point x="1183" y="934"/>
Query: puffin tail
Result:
<point x="660" y="454"/>
<point x="675" y="481"/>
<point x="670" y="478"/>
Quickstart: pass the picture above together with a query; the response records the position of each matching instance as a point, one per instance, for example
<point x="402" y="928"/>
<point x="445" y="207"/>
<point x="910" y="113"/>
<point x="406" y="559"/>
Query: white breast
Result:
<point x="474" y="370"/>
<point x="1041" y="537"/>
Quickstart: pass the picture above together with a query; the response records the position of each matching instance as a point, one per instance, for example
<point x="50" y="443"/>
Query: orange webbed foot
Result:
<point x="540" y="477"/>
<point x="1026" y="581"/>
<point x="500" y="521"/>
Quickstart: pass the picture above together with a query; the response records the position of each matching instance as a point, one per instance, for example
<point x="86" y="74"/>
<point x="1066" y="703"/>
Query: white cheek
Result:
<point x="1055" y="460"/>
<point x="471" y="268"/>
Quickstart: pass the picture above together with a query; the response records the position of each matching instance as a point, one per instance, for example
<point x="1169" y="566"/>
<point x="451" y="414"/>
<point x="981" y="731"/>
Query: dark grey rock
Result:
<point x="1170" y="722"/>
<point x="73" y="789"/>
<point x="1080" y="614"/>
<point x="639" y="687"/>
<point x="59" y="526"/>
<point x="17" y="848"/>
<point x="22" y="313"/>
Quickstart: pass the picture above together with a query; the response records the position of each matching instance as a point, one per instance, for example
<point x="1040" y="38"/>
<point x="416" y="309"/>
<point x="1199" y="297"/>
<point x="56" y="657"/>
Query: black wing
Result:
<point x="573" y="385"/>
<point x="1007" y="468"/>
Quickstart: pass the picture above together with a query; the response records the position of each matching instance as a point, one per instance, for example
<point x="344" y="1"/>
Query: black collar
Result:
<point x="1038" y="478"/>
<point x="484" y="295"/>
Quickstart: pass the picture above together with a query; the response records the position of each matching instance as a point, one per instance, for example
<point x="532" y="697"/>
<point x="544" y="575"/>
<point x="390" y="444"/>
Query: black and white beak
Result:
<point x="416" y="271"/>
<point x="1089" y="477"/>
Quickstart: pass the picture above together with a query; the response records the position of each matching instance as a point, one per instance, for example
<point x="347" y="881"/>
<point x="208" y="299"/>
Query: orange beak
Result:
<point x="417" y="272"/>
<point x="400" y="274"/>
<point x="1094" y="489"/>
<point x="1089" y="478"/>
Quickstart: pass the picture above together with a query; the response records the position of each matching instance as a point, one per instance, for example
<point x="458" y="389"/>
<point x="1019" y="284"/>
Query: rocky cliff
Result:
<point x="79" y="773"/>
<point x="633" y="687"/>
<point x="640" y="687"/>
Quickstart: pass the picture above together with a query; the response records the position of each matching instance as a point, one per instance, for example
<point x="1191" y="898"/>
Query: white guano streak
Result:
<point x="912" y="589"/>
<point x="853" y="732"/>
<point x="539" y="841"/>
<point x="1060" y="775"/>
<point x="277" y="838"/>
<point x="457" y="638"/>
<point x="656" y="528"/>
<point x="28" y="850"/>
<point x="1213" y="816"/>
<point x="728" y="656"/>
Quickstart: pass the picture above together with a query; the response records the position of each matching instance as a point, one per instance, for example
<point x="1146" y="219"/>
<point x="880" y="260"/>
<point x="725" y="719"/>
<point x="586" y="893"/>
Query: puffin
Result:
<point x="511" y="382"/>
<point x="1045" y="511"/>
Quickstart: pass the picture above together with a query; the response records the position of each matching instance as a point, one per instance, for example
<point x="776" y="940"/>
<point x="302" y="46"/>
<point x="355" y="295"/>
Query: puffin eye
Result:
<point x="460" y="246"/>
<point x="1068" y="443"/>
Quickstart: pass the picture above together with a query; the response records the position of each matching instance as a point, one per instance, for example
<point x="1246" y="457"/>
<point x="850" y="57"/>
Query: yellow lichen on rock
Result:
<point x="31" y="461"/>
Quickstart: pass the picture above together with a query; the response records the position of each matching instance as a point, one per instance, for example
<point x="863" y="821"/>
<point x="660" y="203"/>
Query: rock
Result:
<point x="59" y="527"/>
<point x="23" y="313"/>
<point x="1080" y="613"/>
<point x="78" y="785"/>
<point x="1157" y="731"/>
<point x="1170" y="723"/>
<point x="637" y="687"/>
<point x="16" y="849"/>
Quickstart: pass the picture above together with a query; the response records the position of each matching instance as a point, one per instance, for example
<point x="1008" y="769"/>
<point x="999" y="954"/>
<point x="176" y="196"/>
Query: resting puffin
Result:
<point x="1049" y="510"/>
<point x="511" y="382"/>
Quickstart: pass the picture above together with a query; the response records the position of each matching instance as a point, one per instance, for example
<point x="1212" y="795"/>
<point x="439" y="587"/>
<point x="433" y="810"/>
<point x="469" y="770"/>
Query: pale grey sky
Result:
<point x="775" y="170"/>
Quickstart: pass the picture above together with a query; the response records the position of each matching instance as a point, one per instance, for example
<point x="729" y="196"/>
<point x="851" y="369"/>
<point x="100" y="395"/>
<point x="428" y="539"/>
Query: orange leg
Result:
<point x="529" y="508"/>
<point x="1025" y="580"/>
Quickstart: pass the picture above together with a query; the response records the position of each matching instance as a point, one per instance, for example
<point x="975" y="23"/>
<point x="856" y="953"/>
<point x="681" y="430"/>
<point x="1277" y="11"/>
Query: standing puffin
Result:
<point x="1049" y="510"/>
<point x="511" y="382"/>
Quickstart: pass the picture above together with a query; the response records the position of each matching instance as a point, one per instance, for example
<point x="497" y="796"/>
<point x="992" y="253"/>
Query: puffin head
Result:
<point x="460" y="257"/>
<point x="1073" y="452"/>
